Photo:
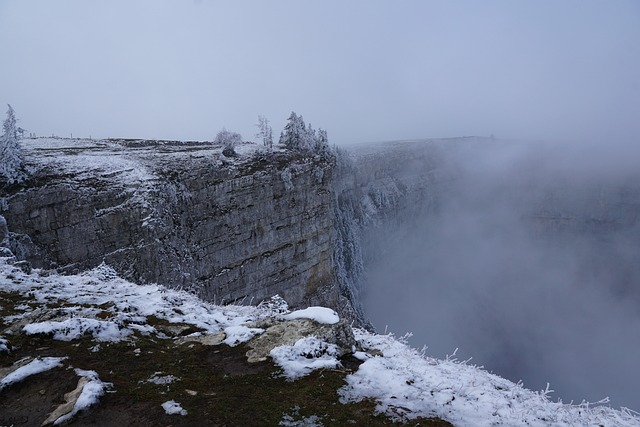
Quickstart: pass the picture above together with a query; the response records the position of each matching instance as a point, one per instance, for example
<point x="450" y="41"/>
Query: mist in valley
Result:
<point x="526" y="259"/>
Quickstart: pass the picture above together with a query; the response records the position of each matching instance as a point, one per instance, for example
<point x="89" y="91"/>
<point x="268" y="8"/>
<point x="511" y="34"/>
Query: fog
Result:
<point x="528" y="262"/>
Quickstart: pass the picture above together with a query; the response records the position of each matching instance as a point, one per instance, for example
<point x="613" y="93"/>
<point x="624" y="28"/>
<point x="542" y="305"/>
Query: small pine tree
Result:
<point x="309" y="140"/>
<point x="293" y="135"/>
<point x="12" y="169"/>
<point x="321" y="142"/>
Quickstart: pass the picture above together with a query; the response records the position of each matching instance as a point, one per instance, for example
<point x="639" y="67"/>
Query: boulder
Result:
<point x="287" y="332"/>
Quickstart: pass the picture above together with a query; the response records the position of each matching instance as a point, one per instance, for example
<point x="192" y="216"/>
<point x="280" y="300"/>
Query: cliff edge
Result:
<point x="230" y="229"/>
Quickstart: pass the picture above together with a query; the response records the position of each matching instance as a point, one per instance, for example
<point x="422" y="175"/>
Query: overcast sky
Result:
<point x="364" y="70"/>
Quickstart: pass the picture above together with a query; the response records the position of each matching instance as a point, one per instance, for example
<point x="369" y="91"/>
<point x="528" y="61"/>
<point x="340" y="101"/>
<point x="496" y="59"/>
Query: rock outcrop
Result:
<point x="286" y="332"/>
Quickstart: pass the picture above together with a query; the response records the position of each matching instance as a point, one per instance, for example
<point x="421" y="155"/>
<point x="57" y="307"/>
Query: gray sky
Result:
<point x="364" y="70"/>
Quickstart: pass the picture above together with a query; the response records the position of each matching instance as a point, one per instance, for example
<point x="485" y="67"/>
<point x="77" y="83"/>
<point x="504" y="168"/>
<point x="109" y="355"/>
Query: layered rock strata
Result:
<point x="236" y="230"/>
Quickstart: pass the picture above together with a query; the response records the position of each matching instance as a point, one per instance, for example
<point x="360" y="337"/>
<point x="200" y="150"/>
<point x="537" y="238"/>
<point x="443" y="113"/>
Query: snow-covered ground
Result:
<point x="126" y="161"/>
<point x="405" y="383"/>
<point x="132" y="164"/>
<point x="100" y="158"/>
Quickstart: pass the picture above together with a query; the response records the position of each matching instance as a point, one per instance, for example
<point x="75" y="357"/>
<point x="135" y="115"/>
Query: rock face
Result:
<point x="184" y="217"/>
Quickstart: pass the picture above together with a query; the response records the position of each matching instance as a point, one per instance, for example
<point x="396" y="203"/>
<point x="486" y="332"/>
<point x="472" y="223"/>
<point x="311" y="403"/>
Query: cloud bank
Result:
<point x="527" y="262"/>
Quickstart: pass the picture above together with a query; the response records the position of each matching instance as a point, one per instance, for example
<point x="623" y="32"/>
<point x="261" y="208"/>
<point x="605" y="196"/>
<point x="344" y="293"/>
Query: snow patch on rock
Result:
<point x="159" y="379"/>
<point x="240" y="334"/>
<point x="318" y="314"/>
<point x="72" y="329"/>
<point x="171" y="407"/>
<point x="5" y="347"/>
<point x="33" y="367"/>
<point x="88" y="393"/>
<point x="305" y="356"/>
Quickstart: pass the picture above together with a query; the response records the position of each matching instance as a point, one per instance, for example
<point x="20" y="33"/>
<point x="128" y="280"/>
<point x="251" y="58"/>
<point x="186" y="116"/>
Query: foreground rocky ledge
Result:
<point x="94" y="349"/>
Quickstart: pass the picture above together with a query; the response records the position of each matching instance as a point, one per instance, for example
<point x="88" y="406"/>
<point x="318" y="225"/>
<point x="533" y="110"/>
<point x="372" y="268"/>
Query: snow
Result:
<point x="34" y="367"/>
<point x="91" y="393"/>
<point x="71" y="329"/>
<point x="407" y="384"/>
<point x="295" y="420"/>
<point x="172" y="407"/>
<point x="103" y="158"/>
<point x="240" y="334"/>
<point x="403" y="382"/>
<point x="128" y="304"/>
<point x="319" y="314"/>
<point x="126" y="164"/>
<point x="161" y="379"/>
<point x="274" y="306"/>
<point x="4" y="345"/>
<point x="361" y="355"/>
<point x="306" y="355"/>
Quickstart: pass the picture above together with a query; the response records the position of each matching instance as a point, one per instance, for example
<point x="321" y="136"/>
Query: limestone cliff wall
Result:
<point x="231" y="232"/>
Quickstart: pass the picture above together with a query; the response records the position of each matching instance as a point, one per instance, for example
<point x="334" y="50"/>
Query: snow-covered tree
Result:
<point x="265" y="133"/>
<point x="297" y="136"/>
<point x="228" y="140"/>
<point x="309" y="141"/>
<point x="12" y="169"/>
<point x="321" y="141"/>
<point x="293" y="135"/>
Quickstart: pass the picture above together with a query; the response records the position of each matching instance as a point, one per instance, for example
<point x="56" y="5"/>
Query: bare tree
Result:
<point x="265" y="133"/>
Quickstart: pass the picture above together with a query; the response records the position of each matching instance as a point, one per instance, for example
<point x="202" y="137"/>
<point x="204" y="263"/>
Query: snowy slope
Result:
<point x="123" y="159"/>
<point x="405" y="383"/>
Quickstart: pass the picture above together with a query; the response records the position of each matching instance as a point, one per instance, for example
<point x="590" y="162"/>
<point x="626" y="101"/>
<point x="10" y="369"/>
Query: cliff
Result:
<point x="183" y="215"/>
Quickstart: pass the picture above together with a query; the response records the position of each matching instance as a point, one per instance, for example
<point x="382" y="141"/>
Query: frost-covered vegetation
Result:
<point x="302" y="137"/>
<point x="265" y="132"/>
<point x="229" y="140"/>
<point x="12" y="168"/>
